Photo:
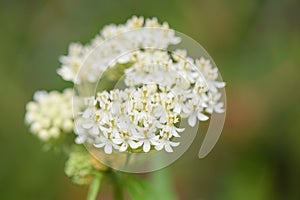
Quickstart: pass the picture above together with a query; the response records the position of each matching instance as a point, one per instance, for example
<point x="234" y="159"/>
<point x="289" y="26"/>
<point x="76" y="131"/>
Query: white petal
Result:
<point x="180" y="129"/>
<point x="185" y="109"/>
<point x="146" y="147"/>
<point x="87" y="125"/>
<point x="100" y="145"/>
<point x="94" y="130"/>
<point x="192" y="120"/>
<point x="217" y="96"/>
<point x="154" y="140"/>
<point x="174" y="133"/>
<point x="115" y="146"/>
<point x="139" y="143"/>
<point x="133" y="144"/>
<point x="108" y="149"/>
<point x="213" y="88"/>
<point x="87" y="113"/>
<point x="209" y="109"/>
<point x="174" y="144"/>
<point x="117" y="140"/>
<point x="202" y="117"/>
<point x="219" y="84"/>
<point x="219" y="107"/>
<point x="168" y="148"/>
<point x="124" y="59"/>
<point x="123" y="147"/>
<point x="177" y="109"/>
<point x="159" y="146"/>
<point x="80" y="139"/>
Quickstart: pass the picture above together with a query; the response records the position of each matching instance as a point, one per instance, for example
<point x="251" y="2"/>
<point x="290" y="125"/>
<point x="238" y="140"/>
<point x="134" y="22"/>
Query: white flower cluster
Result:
<point x="50" y="114"/>
<point x="130" y="119"/>
<point x="162" y="89"/>
<point x="95" y="56"/>
<point x="192" y="83"/>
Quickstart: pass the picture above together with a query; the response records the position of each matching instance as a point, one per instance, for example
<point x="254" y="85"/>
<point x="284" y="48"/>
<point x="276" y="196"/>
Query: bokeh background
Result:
<point x="255" y="43"/>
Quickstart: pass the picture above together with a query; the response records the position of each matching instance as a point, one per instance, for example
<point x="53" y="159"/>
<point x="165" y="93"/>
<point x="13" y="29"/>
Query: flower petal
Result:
<point x="99" y="145"/>
<point x="123" y="147"/>
<point x="94" y="130"/>
<point x="108" y="148"/>
<point x="133" y="144"/>
<point x="192" y="120"/>
<point x="202" y="117"/>
<point x="146" y="147"/>
<point x="168" y="148"/>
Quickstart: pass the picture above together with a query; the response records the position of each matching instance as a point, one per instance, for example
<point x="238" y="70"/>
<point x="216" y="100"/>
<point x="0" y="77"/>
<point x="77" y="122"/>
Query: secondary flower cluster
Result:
<point x="50" y="114"/>
<point x="97" y="55"/>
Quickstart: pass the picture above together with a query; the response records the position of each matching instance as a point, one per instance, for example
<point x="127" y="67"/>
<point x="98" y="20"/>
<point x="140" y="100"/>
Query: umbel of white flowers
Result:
<point x="162" y="89"/>
<point x="144" y="118"/>
<point x="50" y="114"/>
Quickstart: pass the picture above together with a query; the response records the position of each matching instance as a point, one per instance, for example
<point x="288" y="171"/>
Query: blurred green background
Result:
<point x="255" y="43"/>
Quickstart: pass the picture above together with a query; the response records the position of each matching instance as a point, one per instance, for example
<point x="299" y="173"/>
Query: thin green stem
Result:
<point x="94" y="187"/>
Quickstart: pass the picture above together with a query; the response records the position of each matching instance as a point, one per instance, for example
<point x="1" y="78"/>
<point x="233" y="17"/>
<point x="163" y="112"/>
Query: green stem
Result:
<point x="94" y="187"/>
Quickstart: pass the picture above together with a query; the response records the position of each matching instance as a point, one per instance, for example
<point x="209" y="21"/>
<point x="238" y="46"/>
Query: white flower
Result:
<point x="193" y="109"/>
<point x="147" y="137"/>
<point x="187" y="70"/>
<point x="210" y="74"/>
<point x="71" y="63"/>
<point x="105" y="141"/>
<point x="165" y="143"/>
<point x="178" y="97"/>
<point x="50" y="114"/>
<point x="213" y="103"/>
<point x="179" y="54"/>
<point x="125" y="139"/>
<point x="170" y="126"/>
<point x="135" y="22"/>
<point x="93" y="123"/>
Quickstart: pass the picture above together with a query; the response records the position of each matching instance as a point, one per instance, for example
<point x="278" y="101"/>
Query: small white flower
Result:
<point x="105" y="141"/>
<point x="213" y="103"/>
<point x="210" y="74"/>
<point x="125" y="138"/>
<point x="170" y="126"/>
<point x="165" y="143"/>
<point x="179" y="54"/>
<point x="93" y="124"/>
<point x="193" y="110"/>
<point x="72" y="62"/>
<point x="135" y="22"/>
<point x="147" y="137"/>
